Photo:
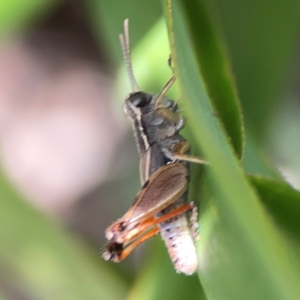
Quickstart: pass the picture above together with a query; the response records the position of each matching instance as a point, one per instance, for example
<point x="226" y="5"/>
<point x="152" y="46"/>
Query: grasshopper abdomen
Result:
<point x="179" y="236"/>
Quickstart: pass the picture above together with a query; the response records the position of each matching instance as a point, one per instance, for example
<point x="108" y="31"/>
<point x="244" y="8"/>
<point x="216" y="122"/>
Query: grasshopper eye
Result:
<point x="140" y="99"/>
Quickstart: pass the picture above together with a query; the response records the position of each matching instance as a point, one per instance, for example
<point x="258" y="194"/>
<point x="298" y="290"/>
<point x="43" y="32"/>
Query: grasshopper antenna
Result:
<point x="168" y="84"/>
<point x="125" y="44"/>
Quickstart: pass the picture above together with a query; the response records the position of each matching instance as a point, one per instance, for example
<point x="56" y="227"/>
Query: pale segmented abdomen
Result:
<point x="179" y="236"/>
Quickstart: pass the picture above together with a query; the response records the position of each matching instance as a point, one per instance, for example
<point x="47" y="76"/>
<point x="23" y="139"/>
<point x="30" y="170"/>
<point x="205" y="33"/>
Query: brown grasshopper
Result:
<point x="160" y="204"/>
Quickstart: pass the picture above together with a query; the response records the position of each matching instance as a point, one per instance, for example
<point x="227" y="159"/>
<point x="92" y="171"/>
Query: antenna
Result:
<point x="125" y="45"/>
<point x="164" y="91"/>
<point x="167" y="85"/>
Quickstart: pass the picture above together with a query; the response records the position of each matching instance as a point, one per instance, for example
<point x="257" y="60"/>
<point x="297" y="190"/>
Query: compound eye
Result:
<point x="140" y="99"/>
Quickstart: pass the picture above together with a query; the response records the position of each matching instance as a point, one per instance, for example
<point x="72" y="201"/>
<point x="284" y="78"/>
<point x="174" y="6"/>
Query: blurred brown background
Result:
<point x="62" y="144"/>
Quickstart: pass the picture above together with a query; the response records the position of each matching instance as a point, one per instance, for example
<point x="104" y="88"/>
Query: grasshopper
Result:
<point x="160" y="205"/>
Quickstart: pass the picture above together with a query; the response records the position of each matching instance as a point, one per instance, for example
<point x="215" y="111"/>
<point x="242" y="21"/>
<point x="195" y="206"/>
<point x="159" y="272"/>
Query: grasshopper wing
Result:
<point x="164" y="187"/>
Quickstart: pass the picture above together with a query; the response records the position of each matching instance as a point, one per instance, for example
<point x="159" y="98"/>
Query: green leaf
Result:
<point x="242" y="253"/>
<point x="44" y="259"/>
<point x="158" y="279"/>
<point x="262" y="38"/>
<point x="283" y="204"/>
<point x="216" y="72"/>
<point x="255" y="162"/>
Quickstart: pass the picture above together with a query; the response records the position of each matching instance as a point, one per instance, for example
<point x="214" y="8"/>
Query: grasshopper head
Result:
<point x="135" y="102"/>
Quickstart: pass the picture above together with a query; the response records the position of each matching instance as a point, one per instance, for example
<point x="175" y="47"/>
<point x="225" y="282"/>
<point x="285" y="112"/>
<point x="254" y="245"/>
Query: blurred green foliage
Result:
<point x="16" y="15"/>
<point x="249" y="226"/>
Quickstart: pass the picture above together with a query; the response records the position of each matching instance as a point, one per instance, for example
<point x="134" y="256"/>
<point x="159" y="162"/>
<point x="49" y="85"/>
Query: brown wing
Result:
<point x="164" y="187"/>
